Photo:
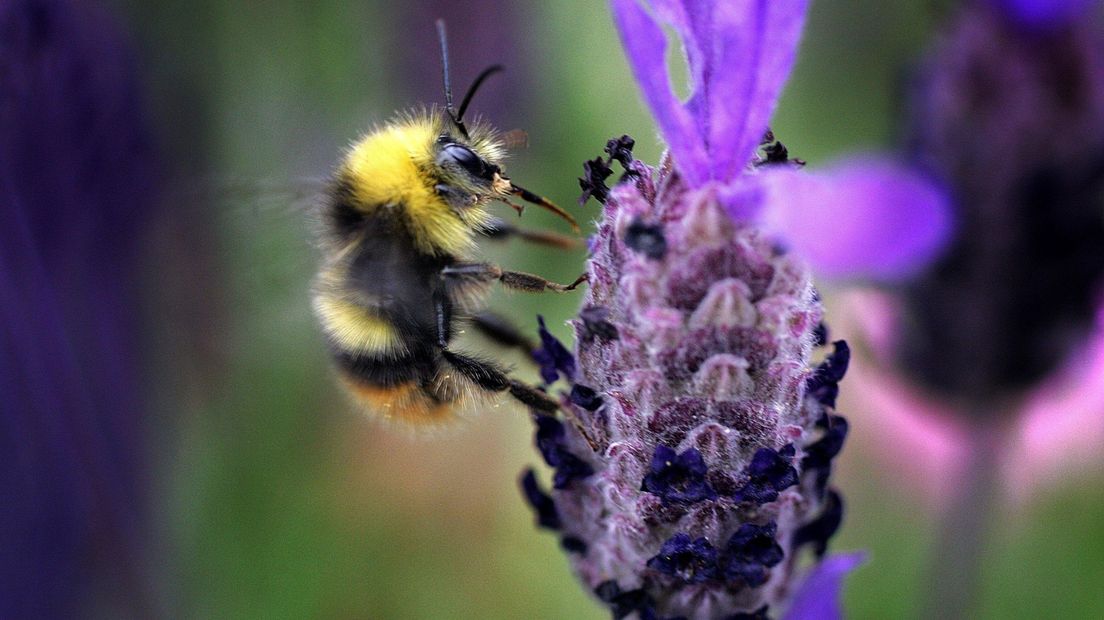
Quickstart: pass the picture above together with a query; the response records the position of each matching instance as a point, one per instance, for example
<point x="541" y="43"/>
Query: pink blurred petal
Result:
<point x="1058" y="431"/>
<point x="818" y="597"/>
<point x="903" y="424"/>
<point x="865" y="218"/>
<point x="1061" y="428"/>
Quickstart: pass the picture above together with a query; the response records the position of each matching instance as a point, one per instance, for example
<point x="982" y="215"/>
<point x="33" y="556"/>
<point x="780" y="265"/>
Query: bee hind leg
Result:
<point x="490" y="377"/>
<point x="502" y="331"/>
<point x="533" y="398"/>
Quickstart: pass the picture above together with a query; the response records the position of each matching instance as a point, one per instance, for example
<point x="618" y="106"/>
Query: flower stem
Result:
<point x="954" y="575"/>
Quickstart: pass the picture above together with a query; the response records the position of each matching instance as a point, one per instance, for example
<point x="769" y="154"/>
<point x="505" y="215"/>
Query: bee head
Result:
<point x="465" y="175"/>
<point x="470" y="174"/>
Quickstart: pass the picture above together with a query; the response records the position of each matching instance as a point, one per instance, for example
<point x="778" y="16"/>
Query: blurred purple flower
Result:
<point x="988" y="366"/>
<point x="1045" y="13"/>
<point x="709" y="437"/>
<point x="75" y="193"/>
<point x="1012" y="121"/>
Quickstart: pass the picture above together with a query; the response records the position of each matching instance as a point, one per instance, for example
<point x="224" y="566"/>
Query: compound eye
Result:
<point x="466" y="159"/>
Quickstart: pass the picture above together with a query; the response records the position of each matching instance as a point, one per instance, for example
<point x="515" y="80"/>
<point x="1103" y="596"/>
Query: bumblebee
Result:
<point x="400" y="222"/>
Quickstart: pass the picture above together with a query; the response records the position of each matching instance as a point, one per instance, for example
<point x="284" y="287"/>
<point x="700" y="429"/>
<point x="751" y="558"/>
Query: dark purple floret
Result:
<point x="768" y="473"/>
<point x="573" y="544"/>
<point x="648" y="613"/>
<point x="646" y="239"/>
<point x="692" y="561"/>
<point x="624" y="603"/>
<point x="818" y="531"/>
<point x="819" y="454"/>
<point x="571" y="468"/>
<point x="597" y="170"/>
<point x="750" y="553"/>
<point x="542" y="503"/>
<point x="553" y="356"/>
<point x="550" y="442"/>
<point x="820" y="335"/>
<point x="549" y="438"/>
<point x="678" y="478"/>
<point x="620" y="150"/>
<point x="776" y="154"/>
<point x="824" y="384"/>
<point x="596" y="324"/>
<point x="593" y="181"/>
<point x="758" y="614"/>
<point x="585" y="397"/>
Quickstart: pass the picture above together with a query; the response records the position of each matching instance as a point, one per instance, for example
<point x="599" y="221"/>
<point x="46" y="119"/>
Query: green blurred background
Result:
<point x="277" y="498"/>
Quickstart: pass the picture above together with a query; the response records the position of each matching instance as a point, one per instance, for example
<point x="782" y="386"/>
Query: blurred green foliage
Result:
<point x="280" y="501"/>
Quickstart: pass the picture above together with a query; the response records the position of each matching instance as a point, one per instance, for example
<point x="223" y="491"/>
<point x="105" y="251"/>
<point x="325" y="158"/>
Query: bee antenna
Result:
<point x="443" y="37"/>
<point x="489" y="71"/>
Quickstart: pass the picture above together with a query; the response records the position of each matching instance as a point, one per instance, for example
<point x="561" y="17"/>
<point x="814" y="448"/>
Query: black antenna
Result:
<point x="489" y="71"/>
<point x="448" y="83"/>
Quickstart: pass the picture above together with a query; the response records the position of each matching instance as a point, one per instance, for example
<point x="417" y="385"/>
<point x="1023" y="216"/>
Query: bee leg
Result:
<point x="499" y="230"/>
<point x="499" y="329"/>
<point x="442" y="310"/>
<point x="533" y="398"/>
<point x="521" y="281"/>
<point x="517" y="280"/>
<point x="491" y="378"/>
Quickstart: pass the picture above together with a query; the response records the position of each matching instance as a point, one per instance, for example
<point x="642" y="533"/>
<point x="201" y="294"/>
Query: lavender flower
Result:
<point x="707" y="431"/>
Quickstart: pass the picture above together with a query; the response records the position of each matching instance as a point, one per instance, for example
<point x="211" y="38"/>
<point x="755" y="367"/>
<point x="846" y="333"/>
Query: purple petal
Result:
<point x="754" y="46"/>
<point x="865" y="218"/>
<point x="740" y="54"/>
<point x="818" y="598"/>
<point x="646" y="47"/>
<point x="1044" y="13"/>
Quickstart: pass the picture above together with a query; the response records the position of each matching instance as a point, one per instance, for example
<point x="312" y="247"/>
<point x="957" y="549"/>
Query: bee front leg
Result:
<point x="521" y="281"/>
<point x="498" y="229"/>
<point x="517" y="280"/>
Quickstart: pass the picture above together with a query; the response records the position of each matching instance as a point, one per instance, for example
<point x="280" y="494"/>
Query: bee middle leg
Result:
<point x="517" y="280"/>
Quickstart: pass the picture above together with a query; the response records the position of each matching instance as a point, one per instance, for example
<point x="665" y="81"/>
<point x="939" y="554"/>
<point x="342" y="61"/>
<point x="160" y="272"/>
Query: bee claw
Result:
<point x="583" y="278"/>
